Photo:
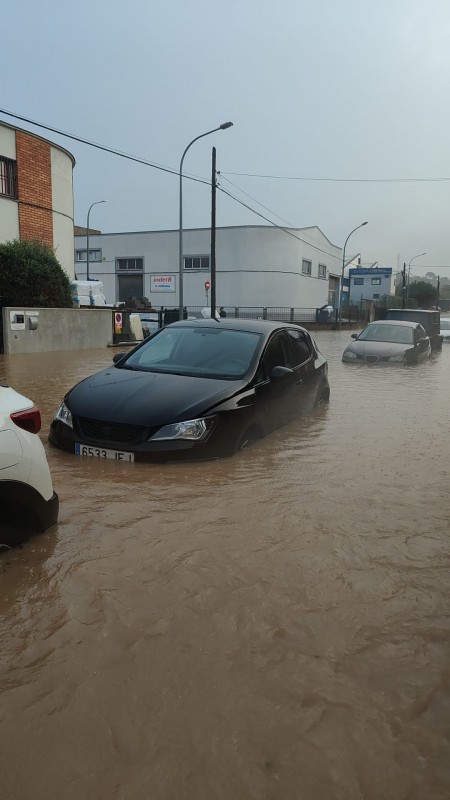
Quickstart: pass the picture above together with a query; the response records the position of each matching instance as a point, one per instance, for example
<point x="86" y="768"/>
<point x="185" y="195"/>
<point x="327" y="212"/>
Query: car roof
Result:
<point x="423" y="312"/>
<point x="252" y="325"/>
<point x="405" y="323"/>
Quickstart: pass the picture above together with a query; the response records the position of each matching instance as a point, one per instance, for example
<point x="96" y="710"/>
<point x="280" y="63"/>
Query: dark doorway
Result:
<point x="130" y="286"/>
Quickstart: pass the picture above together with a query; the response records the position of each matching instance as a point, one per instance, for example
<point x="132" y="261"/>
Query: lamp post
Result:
<point x="87" y="236"/>
<point x="222" y="127"/>
<point x="342" y="274"/>
<point x="409" y="273"/>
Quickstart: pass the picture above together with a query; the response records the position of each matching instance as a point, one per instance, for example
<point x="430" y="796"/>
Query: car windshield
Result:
<point x="445" y="324"/>
<point x="198" y="351"/>
<point x="387" y="333"/>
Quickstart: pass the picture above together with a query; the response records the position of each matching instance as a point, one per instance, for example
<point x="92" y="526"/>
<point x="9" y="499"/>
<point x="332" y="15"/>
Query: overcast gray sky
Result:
<point x="323" y="89"/>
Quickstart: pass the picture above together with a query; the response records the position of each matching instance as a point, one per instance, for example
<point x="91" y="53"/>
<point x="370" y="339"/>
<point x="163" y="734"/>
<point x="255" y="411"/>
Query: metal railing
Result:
<point x="275" y="313"/>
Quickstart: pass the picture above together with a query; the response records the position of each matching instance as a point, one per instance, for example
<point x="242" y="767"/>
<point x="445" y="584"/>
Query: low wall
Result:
<point x="40" y="330"/>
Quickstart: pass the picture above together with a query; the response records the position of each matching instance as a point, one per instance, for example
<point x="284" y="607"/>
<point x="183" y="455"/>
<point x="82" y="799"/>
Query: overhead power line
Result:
<point x="221" y="175"/>
<point x="280" y="227"/>
<point x="337" y="180"/>
<point x="152" y="164"/>
<point x="103" y="147"/>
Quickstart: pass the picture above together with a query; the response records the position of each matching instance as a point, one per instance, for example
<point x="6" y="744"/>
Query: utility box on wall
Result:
<point x="17" y="320"/>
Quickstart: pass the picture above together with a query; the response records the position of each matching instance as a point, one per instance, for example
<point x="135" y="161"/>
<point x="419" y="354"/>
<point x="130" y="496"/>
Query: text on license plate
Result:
<point x="100" y="452"/>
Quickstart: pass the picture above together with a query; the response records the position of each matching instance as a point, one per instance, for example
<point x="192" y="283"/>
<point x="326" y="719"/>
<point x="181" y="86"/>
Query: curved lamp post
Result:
<point x="222" y="127"/>
<point x="343" y="268"/>
<point x="409" y="273"/>
<point x="97" y="202"/>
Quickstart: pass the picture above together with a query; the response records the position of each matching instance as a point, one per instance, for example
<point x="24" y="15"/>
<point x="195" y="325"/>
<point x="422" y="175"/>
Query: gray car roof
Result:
<point x="405" y="323"/>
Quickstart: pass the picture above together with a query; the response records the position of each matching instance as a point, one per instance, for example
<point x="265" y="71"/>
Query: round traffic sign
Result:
<point x="207" y="285"/>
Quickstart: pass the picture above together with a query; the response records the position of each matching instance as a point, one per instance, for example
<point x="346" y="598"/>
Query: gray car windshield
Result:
<point x="198" y="351"/>
<point x="387" y="333"/>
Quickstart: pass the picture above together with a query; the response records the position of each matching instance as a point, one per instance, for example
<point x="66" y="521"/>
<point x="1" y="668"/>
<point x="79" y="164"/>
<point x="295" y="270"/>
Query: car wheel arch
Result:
<point x="248" y="437"/>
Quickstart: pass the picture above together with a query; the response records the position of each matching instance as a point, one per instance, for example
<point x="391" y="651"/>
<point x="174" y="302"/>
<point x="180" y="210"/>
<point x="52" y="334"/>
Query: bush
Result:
<point x="31" y="275"/>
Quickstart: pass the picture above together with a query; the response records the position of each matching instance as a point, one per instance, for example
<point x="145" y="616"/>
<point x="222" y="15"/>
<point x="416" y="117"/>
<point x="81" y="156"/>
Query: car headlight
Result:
<point x="396" y="359"/>
<point x="349" y="355"/>
<point x="193" y="430"/>
<point x="64" y="415"/>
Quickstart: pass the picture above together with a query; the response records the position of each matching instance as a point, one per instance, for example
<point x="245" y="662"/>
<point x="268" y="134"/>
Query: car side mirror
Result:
<point x="117" y="357"/>
<point x="280" y="372"/>
<point x="354" y="335"/>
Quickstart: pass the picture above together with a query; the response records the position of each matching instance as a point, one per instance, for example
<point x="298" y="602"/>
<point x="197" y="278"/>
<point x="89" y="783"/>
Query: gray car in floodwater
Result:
<point x="389" y="342"/>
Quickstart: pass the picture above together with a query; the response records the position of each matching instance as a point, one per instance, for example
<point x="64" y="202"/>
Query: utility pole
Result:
<point x="213" y="235"/>
<point x="403" y="284"/>
<point x="438" y="292"/>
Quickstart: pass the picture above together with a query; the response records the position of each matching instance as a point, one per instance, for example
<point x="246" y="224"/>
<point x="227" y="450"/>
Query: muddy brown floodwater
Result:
<point x="273" y="626"/>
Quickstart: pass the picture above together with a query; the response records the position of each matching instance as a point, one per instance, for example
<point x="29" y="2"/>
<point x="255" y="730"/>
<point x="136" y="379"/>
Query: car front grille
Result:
<point x="371" y="359"/>
<point x="98" y="431"/>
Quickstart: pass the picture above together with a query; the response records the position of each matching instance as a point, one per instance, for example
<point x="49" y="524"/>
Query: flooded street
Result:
<point x="272" y="626"/>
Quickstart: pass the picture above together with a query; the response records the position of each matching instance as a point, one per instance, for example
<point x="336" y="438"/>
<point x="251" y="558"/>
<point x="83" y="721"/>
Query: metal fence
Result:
<point x="275" y="313"/>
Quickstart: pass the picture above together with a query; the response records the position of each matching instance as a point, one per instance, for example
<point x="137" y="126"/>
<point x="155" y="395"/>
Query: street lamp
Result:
<point x="222" y="127"/>
<point x="87" y="235"/>
<point x="409" y="273"/>
<point x="342" y="274"/>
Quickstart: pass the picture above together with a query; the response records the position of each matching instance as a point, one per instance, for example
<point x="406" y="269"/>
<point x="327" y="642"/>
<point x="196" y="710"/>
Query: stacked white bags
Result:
<point x="88" y="293"/>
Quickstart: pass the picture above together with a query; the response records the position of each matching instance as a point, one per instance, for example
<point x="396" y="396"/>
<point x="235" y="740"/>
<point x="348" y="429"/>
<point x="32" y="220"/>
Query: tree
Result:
<point x="425" y="294"/>
<point x="31" y="275"/>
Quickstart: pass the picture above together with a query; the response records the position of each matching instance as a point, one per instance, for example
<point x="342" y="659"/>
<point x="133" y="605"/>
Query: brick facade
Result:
<point x="34" y="177"/>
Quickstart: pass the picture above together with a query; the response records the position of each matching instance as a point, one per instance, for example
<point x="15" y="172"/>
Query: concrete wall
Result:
<point x="9" y="220"/>
<point x="256" y="265"/>
<point x="62" y="202"/>
<point x="7" y="142"/>
<point x="9" y="209"/>
<point x="57" y="329"/>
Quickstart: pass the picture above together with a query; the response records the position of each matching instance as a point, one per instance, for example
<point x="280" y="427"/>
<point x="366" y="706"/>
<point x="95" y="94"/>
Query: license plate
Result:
<point x="100" y="452"/>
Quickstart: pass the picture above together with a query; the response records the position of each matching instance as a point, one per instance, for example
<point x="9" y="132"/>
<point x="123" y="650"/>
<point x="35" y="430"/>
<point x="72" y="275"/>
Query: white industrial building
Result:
<point x="255" y="266"/>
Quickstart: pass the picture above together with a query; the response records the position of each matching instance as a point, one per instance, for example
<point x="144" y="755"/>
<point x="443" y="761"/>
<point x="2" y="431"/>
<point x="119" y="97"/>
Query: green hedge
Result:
<point x="31" y="275"/>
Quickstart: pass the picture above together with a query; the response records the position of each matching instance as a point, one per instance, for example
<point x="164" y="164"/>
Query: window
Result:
<point x="276" y="355"/>
<point x="376" y="297"/>
<point x="387" y="333"/>
<point x="358" y="281"/>
<point x="125" y="264"/>
<point x="300" y="345"/>
<point x="376" y="281"/>
<point x="201" y="352"/>
<point x="8" y="177"/>
<point x="94" y="255"/>
<point x="322" y="271"/>
<point x="306" y="267"/>
<point x="196" y="262"/>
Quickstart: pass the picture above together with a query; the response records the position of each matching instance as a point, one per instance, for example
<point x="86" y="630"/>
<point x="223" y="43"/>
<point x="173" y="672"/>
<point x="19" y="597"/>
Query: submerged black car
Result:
<point x="195" y="389"/>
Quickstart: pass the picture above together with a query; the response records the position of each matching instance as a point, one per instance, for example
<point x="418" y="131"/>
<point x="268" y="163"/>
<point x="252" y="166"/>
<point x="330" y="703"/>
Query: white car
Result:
<point x="28" y="503"/>
<point x="445" y="328"/>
